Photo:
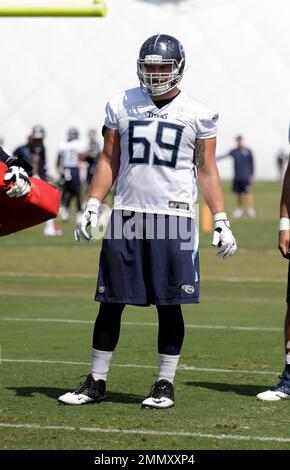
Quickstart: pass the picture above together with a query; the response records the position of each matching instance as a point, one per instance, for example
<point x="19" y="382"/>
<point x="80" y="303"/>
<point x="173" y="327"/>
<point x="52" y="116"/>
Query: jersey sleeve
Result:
<point x="60" y="148"/>
<point x="111" y="115"/>
<point x="206" y="124"/>
<point x="82" y="147"/>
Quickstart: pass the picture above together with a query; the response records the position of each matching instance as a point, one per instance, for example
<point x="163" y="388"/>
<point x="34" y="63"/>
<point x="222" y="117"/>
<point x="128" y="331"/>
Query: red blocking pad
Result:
<point x="41" y="204"/>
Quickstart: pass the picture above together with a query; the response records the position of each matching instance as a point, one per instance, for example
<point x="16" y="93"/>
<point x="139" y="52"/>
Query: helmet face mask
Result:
<point x="161" y="64"/>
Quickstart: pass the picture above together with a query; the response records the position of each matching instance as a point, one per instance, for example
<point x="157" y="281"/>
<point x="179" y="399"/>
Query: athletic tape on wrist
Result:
<point x="284" y="224"/>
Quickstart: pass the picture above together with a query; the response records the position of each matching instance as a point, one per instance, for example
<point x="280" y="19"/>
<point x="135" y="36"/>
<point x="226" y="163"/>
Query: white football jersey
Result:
<point x="69" y="152"/>
<point x="157" y="171"/>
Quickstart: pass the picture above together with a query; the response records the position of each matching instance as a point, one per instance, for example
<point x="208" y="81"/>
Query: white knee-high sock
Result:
<point x="100" y="363"/>
<point x="167" y="367"/>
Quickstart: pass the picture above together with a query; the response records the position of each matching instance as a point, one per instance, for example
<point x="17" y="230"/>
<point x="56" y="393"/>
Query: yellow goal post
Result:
<point x="77" y="9"/>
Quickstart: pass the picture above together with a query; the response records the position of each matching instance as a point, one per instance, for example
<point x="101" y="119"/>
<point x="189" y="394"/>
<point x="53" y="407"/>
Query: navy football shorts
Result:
<point x="72" y="182"/>
<point x="242" y="186"/>
<point x="149" y="259"/>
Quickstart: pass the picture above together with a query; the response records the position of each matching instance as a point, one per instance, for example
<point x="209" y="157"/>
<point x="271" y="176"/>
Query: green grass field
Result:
<point x="233" y="347"/>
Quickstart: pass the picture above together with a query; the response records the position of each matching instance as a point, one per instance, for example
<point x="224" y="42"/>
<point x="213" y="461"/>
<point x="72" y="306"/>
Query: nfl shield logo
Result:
<point x="188" y="289"/>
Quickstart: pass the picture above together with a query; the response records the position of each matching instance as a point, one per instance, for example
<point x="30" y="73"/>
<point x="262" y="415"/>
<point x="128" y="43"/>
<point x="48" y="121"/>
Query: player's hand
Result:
<point x="89" y="217"/>
<point x="223" y="236"/>
<point x="284" y="237"/>
<point x="20" y="179"/>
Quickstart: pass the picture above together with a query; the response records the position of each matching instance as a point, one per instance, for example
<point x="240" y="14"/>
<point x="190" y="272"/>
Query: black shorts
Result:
<point x="72" y="182"/>
<point x="242" y="186"/>
<point x="159" y="265"/>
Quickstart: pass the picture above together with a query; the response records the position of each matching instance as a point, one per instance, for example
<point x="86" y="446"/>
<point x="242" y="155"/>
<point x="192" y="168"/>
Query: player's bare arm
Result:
<point x="212" y="191"/>
<point x="103" y="180"/>
<point x="35" y="164"/>
<point x="108" y="166"/>
<point x="208" y="175"/>
<point x="284" y="238"/>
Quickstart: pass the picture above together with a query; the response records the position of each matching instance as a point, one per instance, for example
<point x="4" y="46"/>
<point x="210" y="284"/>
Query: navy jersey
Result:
<point x="14" y="160"/>
<point x="3" y="156"/>
<point x="243" y="163"/>
<point x="26" y="153"/>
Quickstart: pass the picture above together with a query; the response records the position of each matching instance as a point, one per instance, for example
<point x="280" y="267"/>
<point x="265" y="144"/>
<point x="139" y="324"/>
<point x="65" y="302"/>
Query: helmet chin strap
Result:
<point x="150" y="92"/>
<point x="156" y="92"/>
<point x="167" y="87"/>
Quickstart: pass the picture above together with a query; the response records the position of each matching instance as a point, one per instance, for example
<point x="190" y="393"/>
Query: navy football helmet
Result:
<point x="160" y="49"/>
<point x="38" y="132"/>
<point x="72" y="134"/>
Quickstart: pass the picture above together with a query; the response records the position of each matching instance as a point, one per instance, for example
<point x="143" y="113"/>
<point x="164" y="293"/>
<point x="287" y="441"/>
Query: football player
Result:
<point x="243" y="177"/>
<point x="68" y="162"/>
<point x="18" y="173"/>
<point x="91" y="158"/>
<point x="157" y="141"/>
<point x="281" y="391"/>
<point x="34" y="153"/>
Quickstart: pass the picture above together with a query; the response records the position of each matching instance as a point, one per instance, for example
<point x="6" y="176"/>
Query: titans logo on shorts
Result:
<point x="149" y="259"/>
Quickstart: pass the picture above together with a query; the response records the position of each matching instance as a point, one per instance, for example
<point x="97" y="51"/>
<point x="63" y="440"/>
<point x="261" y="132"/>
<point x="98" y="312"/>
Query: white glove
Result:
<point x="89" y="217"/>
<point x="223" y="236"/>
<point x="20" y="178"/>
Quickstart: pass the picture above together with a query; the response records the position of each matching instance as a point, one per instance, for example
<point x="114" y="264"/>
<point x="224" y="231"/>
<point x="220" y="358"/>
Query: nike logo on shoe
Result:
<point x="157" y="403"/>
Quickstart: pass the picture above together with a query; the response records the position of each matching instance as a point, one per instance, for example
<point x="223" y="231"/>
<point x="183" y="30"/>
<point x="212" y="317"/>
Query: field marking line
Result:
<point x="40" y="294"/>
<point x="48" y="275"/>
<point x="131" y="323"/>
<point x="89" y="296"/>
<point x="145" y="432"/>
<point x="181" y="367"/>
<point x="94" y="276"/>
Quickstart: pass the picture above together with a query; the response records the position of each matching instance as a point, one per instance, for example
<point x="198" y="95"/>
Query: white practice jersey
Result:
<point x="69" y="153"/>
<point x="157" y="170"/>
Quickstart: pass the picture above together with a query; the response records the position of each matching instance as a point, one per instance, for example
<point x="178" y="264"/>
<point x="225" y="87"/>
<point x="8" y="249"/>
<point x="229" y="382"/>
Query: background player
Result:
<point x="91" y="158"/>
<point x="243" y="178"/>
<point x="69" y="156"/>
<point x="34" y="153"/>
